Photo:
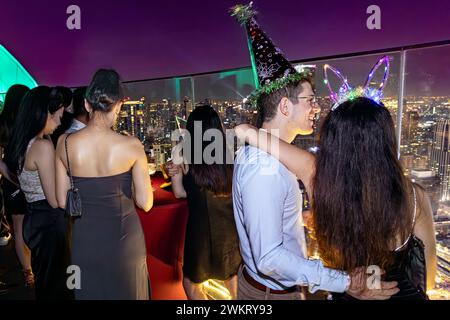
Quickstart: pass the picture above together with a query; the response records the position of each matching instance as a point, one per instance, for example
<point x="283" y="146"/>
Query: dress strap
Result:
<point x="414" y="221"/>
<point x="26" y="152"/>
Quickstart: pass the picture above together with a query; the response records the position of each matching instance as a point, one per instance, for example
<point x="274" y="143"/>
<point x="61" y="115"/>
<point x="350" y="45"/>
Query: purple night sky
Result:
<point x="154" y="38"/>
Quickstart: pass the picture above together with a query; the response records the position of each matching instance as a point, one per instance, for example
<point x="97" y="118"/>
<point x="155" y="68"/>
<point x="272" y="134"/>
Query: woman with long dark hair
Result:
<point x="211" y="248"/>
<point x="14" y="199"/>
<point x="110" y="171"/>
<point x="365" y="211"/>
<point x="30" y="154"/>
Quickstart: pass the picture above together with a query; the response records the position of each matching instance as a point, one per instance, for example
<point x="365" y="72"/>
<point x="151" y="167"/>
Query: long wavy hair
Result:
<point x="215" y="177"/>
<point x="30" y="120"/>
<point x="10" y="109"/>
<point x="362" y="202"/>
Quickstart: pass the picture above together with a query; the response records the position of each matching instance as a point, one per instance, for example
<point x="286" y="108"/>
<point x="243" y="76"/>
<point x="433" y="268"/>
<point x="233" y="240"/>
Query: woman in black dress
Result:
<point x="110" y="171"/>
<point x="31" y="155"/>
<point x="211" y="248"/>
<point x="13" y="197"/>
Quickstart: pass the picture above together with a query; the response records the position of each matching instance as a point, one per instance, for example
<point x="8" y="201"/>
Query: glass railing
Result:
<point x="417" y="94"/>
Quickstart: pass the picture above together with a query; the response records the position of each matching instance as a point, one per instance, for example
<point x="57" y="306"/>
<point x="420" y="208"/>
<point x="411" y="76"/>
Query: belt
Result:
<point x="262" y="287"/>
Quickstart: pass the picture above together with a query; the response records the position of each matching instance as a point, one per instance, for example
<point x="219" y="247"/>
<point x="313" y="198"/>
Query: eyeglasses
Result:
<point x="310" y="99"/>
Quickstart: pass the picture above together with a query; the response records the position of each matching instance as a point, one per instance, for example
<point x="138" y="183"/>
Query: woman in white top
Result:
<point x="32" y="156"/>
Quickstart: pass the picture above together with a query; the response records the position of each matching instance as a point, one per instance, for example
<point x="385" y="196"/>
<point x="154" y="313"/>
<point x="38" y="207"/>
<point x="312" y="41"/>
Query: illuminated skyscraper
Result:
<point x="440" y="156"/>
<point x="409" y="126"/>
<point x="131" y="119"/>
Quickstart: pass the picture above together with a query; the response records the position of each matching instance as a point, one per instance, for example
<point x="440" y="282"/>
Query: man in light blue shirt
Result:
<point x="268" y="206"/>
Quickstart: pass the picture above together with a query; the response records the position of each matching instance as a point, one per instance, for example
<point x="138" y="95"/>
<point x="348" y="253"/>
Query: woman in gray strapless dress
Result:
<point x="111" y="173"/>
<point x="107" y="241"/>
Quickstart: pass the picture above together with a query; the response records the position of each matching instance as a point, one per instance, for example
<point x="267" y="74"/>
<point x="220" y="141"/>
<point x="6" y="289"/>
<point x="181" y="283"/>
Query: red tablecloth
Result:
<point x="164" y="230"/>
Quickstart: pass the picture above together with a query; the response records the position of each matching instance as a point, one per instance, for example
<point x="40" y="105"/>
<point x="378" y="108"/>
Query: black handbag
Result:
<point x="413" y="266"/>
<point x="73" y="199"/>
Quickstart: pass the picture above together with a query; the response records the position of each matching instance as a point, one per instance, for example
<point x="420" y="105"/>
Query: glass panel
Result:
<point x="154" y="110"/>
<point x="425" y="151"/>
<point x="225" y="92"/>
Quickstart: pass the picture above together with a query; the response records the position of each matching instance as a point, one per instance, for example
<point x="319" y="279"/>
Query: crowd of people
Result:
<point x="373" y="226"/>
<point x="46" y="134"/>
<point x="245" y="226"/>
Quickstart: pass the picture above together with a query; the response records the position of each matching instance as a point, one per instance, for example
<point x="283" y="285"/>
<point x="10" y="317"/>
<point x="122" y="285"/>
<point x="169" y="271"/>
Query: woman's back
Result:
<point x="411" y="262"/>
<point x="101" y="153"/>
<point x="108" y="240"/>
<point x="212" y="243"/>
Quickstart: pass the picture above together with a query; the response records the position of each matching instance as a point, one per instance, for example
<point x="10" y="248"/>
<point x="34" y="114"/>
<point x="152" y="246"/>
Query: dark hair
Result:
<point x="31" y="119"/>
<point x="104" y="91"/>
<point x="216" y="177"/>
<point x="268" y="103"/>
<point x="10" y="108"/>
<point x="78" y="102"/>
<point x="59" y="97"/>
<point x="361" y="198"/>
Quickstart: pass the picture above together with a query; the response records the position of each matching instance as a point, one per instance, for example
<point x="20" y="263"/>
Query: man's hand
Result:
<point x="359" y="289"/>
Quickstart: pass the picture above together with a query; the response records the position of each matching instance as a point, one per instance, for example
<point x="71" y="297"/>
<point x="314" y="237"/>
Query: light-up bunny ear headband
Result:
<point x="347" y="92"/>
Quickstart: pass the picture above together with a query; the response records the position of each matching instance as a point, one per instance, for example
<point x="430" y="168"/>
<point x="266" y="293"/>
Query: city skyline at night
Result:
<point x="127" y="172"/>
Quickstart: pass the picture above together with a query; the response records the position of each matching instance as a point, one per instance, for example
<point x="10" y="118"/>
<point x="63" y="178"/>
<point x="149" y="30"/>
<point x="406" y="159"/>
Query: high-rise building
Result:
<point x="440" y="156"/>
<point x="409" y="126"/>
<point x="131" y="119"/>
<point x="430" y="182"/>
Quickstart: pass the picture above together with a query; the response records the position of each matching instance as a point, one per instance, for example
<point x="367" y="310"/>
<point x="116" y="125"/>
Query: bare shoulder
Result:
<point x="60" y="143"/>
<point x="42" y="145"/>
<point x="127" y="147"/>
<point x="62" y="138"/>
<point x="42" y="150"/>
<point x="422" y="201"/>
<point x="130" y="143"/>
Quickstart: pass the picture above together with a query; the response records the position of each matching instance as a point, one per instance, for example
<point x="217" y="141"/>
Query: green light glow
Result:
<point x="243" y="78"/>
<point x="12" y="72"/>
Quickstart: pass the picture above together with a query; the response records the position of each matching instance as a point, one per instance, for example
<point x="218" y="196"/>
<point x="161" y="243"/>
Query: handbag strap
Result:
<point x="68" y="163"/>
